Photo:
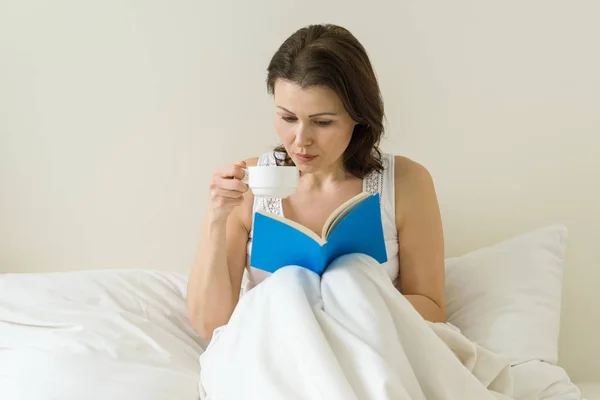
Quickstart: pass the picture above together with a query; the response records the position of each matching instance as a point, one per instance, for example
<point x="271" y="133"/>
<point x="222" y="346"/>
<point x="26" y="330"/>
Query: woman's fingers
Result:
<point x="232" y="184"/>
<point x="227" y="188"/>
<point x="230" y="194"/>
<point x="234" y="171"/>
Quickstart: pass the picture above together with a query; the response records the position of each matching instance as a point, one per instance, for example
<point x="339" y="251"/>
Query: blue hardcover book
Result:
<point x="354" y="227"/>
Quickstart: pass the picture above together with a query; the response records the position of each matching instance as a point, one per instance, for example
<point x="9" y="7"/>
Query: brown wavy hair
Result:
<point x="329" y="55"/>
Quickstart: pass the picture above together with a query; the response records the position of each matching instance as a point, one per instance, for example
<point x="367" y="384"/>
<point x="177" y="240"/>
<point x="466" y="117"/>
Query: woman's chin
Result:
<point x="307" y="167"/>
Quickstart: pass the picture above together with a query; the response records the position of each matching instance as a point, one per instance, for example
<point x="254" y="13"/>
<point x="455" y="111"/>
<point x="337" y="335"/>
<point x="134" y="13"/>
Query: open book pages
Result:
<point x="295" y="225"/>
<point x="332" y="221"/>
<point x="341" y="212"/>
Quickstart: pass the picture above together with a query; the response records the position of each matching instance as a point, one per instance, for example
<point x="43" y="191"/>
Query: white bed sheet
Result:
<point x="96" y="335"/>
<point x="124" y="334"/>
<point x="537" y="380"/>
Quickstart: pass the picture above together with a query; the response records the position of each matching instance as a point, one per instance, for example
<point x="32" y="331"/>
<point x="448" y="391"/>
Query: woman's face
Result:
<point x="312" y="124"/>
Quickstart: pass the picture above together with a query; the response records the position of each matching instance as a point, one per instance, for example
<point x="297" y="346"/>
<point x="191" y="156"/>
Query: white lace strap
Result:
<point x="382" y="182"/>
<point x="267" y="159"/>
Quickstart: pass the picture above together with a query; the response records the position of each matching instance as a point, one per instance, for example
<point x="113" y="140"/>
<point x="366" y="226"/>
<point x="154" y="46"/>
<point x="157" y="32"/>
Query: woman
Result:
<point x="329" y="118"/>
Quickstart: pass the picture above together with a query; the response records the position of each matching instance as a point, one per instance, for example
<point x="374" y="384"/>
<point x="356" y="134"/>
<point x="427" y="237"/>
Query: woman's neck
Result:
<point x="331" y="177"/>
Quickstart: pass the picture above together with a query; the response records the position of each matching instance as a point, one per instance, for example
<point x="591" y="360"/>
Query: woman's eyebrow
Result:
<point x="310" y="116"/>
<point x="323" y="113"/>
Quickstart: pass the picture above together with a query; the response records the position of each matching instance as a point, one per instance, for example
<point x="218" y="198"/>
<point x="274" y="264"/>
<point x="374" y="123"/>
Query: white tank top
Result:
<point x="375" y="182"/>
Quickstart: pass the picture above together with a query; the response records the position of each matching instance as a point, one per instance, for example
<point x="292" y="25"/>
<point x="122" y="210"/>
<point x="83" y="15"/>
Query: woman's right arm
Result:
<point x="215" y="279"/>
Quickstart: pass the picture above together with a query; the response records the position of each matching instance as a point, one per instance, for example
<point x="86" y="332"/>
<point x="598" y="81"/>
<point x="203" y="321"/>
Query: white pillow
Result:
<point x="507" y="297"/>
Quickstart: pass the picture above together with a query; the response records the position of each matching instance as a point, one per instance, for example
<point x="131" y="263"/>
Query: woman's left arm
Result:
<point x="420" y="240"/>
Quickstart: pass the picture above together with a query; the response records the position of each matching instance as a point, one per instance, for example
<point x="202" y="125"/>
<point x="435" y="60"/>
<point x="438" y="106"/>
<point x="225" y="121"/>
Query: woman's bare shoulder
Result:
<point x="409" y="171"/>
<point x="414" y="187"/>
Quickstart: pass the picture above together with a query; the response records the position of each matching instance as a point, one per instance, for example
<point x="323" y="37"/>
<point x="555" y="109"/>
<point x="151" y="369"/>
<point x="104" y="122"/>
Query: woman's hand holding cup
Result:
<point x="227" y="189"/>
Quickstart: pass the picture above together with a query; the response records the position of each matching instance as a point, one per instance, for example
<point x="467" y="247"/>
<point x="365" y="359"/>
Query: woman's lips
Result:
<point x="304" y="158"/>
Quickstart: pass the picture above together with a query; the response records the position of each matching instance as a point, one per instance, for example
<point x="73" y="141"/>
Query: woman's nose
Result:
<point x="303" y="136"/>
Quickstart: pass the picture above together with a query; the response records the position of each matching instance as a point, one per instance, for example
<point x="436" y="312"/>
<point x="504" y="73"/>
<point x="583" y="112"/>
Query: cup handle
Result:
<point x="245" y="178"/>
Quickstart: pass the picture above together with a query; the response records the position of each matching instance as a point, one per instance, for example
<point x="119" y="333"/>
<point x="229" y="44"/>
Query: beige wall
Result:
<point x="114" y="113"/>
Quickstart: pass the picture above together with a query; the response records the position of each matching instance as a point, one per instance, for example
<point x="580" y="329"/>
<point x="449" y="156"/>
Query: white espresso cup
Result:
<point x="272" y="180"/>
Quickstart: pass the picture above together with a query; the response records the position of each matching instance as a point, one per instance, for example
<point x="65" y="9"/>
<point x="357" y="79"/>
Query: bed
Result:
<point x="96" y="335"/>
<point x="124" y="334"/>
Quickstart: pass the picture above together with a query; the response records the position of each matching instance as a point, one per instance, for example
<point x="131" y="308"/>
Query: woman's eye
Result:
<point x="323" y="123"/>
<point x="289" y="119"/>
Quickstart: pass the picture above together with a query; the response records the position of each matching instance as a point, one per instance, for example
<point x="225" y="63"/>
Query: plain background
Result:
<point x="113" y="115"/>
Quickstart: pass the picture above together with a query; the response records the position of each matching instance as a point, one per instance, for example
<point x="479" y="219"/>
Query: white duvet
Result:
<point x="125" y="335"/>
<point x="348" y="336"/>
<point x="96" y="335"/>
